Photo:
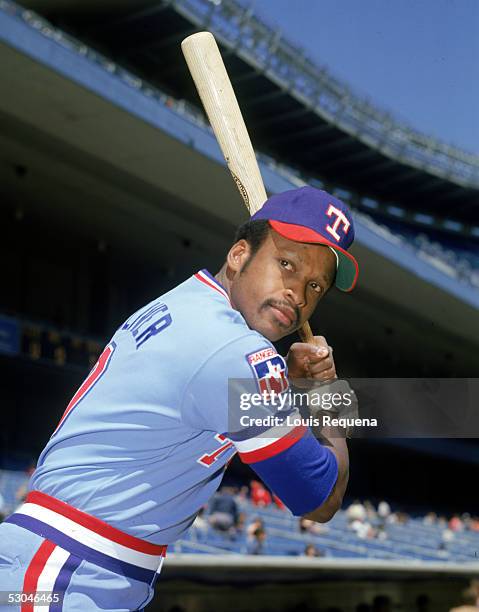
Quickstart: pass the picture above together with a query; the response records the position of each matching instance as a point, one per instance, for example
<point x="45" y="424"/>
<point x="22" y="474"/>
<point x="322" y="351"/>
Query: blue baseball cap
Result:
<point x="312" y="215"/>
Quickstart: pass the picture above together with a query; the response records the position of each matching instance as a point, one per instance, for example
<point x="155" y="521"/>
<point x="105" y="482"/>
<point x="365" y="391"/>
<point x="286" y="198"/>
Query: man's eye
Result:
<point x="285" y="264"/>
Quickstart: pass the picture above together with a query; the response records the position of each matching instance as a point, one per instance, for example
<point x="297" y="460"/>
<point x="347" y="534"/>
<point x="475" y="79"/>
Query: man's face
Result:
<point x="281" y="285"/>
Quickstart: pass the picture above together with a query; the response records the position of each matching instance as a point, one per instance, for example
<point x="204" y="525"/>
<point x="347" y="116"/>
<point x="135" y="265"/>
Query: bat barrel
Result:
<point x="219" y="101"/>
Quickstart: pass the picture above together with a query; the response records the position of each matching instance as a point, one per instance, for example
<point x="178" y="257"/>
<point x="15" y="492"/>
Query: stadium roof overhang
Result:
<point x="284" y="123"/>
<point x="106" y="161"/>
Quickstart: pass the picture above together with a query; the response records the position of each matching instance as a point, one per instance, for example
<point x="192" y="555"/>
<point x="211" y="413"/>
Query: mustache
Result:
<point x="285" y="304"/>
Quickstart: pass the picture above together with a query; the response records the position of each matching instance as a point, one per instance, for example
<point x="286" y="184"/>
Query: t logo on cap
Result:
<point x="340" y="218"/>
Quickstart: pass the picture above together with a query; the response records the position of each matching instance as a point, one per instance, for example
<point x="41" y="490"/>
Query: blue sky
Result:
<point x="416" y="58"/>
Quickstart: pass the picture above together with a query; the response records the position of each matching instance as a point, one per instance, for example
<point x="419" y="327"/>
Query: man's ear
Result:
<point x="238" y="255"/>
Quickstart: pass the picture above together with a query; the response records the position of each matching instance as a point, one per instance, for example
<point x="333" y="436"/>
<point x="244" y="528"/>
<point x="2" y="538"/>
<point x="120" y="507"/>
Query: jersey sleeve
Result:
<point x="242" y="391"/>
<point x="299" y="469"/>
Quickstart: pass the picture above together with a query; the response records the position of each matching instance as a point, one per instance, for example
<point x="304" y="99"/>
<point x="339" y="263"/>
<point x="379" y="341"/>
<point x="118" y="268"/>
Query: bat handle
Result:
<point x="306" y="334"/>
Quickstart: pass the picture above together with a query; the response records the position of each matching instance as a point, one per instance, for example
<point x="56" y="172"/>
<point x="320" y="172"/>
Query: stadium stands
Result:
<point x="402" y="538"/>
<point x="11" y="482"/>
<point x="40" y="340"/>
<point x="411" y="540"/>
<point x="456" y="259"/>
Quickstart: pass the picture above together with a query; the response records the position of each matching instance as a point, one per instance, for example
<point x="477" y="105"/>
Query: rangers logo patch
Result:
<point x="270" y="370"/>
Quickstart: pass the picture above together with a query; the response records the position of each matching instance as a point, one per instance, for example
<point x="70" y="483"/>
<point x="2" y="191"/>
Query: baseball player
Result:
<point x="144" y="442"/>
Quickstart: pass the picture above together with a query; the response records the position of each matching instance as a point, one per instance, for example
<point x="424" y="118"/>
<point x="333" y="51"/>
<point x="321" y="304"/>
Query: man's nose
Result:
<point x="297" y="295"/>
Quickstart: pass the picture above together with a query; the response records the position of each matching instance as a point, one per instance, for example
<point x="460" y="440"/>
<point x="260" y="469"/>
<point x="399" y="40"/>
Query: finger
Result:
<point x="303" y="349"/>
<point x="322" y="366"/>
<point x="322" y="353"/>
<point x="326" y="375"/>
<point x="308" y="352"/>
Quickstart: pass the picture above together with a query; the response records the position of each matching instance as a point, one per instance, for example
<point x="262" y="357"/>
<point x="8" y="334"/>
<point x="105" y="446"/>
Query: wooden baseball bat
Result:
<point x="219" y="100"/>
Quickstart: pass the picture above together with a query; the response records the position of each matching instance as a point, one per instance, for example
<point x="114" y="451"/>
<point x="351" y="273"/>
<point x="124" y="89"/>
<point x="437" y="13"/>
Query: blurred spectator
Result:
<point x="199" y="528"/>
<point x="240" y="522"/>
<point x="312" y="551"/>
<point x="430" y="518"/>
<point x="474" y="524"/>
<point x="466" y="520"/>
<point x="2" y="505"/>
<point x="373" y="533"/>
<point x="356" y="512"/>
<point x="455" y="524"/>
<point x="447" y="536"/>
<point x="402" y="518"/>
<point x="260" y="496"/>
<point x="423" y="603"/>
<point x="362" y="529"/>
<point x="257" y="523"/>
<point x="442" y="521"/>
<point x="381" y="533"/>
<point x="370" y="511"/>
<point x="255" y="546"/>
<point x="363" y="607"/>
<point x="242" y="495"/>
<point x="307" y="526"/>
<point x="381" y="603"/>
<point x="224" y="511"/>
<point x="384" y="510"/>
<point x="21" y="492"/>
<point x="468" y="602"/>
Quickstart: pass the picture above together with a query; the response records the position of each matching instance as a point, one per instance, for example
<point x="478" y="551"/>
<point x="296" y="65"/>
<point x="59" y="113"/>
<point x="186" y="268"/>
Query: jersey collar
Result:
<point x="207" y="279"/>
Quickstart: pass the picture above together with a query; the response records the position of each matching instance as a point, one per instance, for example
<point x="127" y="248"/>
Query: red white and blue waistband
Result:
<point x="207" y="279"/>
<point x="87" y="537"/>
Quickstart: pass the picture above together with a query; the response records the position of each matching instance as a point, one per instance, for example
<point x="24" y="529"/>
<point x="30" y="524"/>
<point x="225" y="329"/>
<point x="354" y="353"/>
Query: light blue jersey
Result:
<point x="144" y="442"/>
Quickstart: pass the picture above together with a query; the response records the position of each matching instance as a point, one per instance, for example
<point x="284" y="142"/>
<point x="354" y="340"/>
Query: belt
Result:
<point x="88" y="537"/>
